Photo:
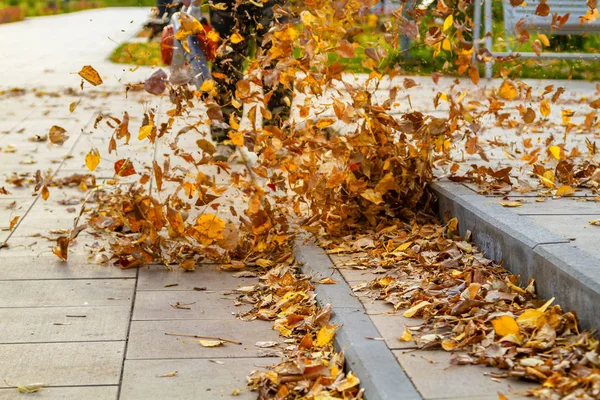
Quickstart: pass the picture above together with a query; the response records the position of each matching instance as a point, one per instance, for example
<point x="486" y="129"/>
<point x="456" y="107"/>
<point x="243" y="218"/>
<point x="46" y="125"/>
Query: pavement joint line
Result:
<point x="35" y="200"/>
<point x="560" y="268"/>
<point x="126" y="347"/>
<point x="61" y="341"/>
<point x="205" y="358"/>
<point x="63" y="386"/>
<point x="380" y="373"/>
<point x="67" y="279"/>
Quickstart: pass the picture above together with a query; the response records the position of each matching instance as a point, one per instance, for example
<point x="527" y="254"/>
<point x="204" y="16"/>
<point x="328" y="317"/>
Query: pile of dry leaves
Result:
<point x="476" y="309"/>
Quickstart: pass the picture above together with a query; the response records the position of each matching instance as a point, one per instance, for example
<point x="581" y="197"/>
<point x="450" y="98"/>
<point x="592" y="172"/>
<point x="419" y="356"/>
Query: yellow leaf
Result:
<point x="324" y="122"/>
<point x="327" y="281"/>
<point x="325" y="335"/>
<point x="446" y="45"/>
<point x="25" y="389"/>
<point x="236" y="38"/>
<point x="448" y="22"/>
<point x="73" y="106"/>
<point x="508" y="90"/>
<point x="505" y="325"/>
<point x="555" y="151"/>
<point x="45" y="192"/>
<point x="211" y="226"/>
<point x="263" y="262"/>
<point x="406" y="336"/>
<point x="565" y="190"/>
<point x="287" y="34"/>
<point x="529" y="317"/>
<point x="237" y="138"/>
<point x="349" y="382"/>
<point x="411" y="312"/>
<point x="449" y="345"/>
<point x="92" y="159"/>
<point x="13" y="222"/>
<point x="207" y="86"/>
<point x="545" y="108"/>
<point x="547" y="179"/>
<point x="511" y="203"/>
<point x="91" y="75"/>
<point x="210" y="343"/>
<point x="145" y="131"/>
<point x="544" y="39"/>
<point x="307" y="18"/>
<point x="372" y="196"/>
<point x="546" y="305"/>
<point x="402" y="247"/>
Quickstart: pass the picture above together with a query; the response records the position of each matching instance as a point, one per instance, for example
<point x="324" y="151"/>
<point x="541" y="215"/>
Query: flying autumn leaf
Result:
<point x="124" y="167"/>
<point x="58" y="135"/>
<point x="91" y="75"/>
<point x="13" y="223"/>
<point x="508" y="90"/>
<point x="236" y="38"/>
<point x="92" y="159"/>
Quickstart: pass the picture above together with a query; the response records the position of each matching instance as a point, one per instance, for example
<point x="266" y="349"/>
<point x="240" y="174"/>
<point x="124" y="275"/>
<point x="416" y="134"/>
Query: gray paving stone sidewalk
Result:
<point x="90" y="331"/>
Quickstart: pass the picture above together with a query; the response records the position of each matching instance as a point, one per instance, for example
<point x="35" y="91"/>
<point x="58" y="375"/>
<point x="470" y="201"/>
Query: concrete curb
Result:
<point x="560" y="269"/>
<point x="372" y="361"/>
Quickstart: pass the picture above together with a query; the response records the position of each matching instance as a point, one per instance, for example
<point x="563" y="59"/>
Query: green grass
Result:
<point x="419" y="59"/>
<point x="130" y="3"/>
<point x="147" y="54"/>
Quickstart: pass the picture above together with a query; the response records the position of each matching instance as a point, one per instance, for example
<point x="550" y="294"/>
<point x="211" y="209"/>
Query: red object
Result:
<point x="209" y="48"/>
<point x="166" y="45"/>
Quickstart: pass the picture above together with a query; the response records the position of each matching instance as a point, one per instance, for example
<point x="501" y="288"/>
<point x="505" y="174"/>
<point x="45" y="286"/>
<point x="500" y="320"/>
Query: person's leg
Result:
<point x="227" y="67"/>
<point x="279" y="95"/>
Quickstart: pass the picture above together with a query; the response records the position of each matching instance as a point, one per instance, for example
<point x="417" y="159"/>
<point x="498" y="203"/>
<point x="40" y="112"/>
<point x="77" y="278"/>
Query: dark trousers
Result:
<point x="249" y="21"/>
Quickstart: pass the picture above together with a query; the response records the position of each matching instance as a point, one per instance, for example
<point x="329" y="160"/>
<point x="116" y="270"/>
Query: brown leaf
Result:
<point x="62" y="248"/>
<point x="58" y="135"/>
<point x="156" y="83"/>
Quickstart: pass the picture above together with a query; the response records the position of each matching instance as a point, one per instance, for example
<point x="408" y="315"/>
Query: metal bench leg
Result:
<point x="476" y="28"/>
<point x="488" y="38"/>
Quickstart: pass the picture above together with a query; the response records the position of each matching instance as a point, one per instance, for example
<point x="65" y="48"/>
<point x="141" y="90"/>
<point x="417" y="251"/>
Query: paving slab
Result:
<point x="562" y="206"/>
<point x="57" y="324"/>
<point x="575" y="228"/>
<point x="61" y="364"/>
<point x="65" y="393"/>
<point x="435" y="378"/>
<point x="66" y="293"/>
<point x="158" y="277"/>
<point x="195" y="378"/>
<point x="51" y="267"/>
<point x="147" y="339"/>
<point x="197" y="305"/>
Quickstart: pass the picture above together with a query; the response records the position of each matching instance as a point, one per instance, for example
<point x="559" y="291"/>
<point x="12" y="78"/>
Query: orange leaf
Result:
<point x="91" y="75"/>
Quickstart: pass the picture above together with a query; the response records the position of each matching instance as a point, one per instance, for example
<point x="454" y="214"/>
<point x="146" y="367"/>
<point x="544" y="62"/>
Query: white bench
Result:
<point x="536" y="24"/>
